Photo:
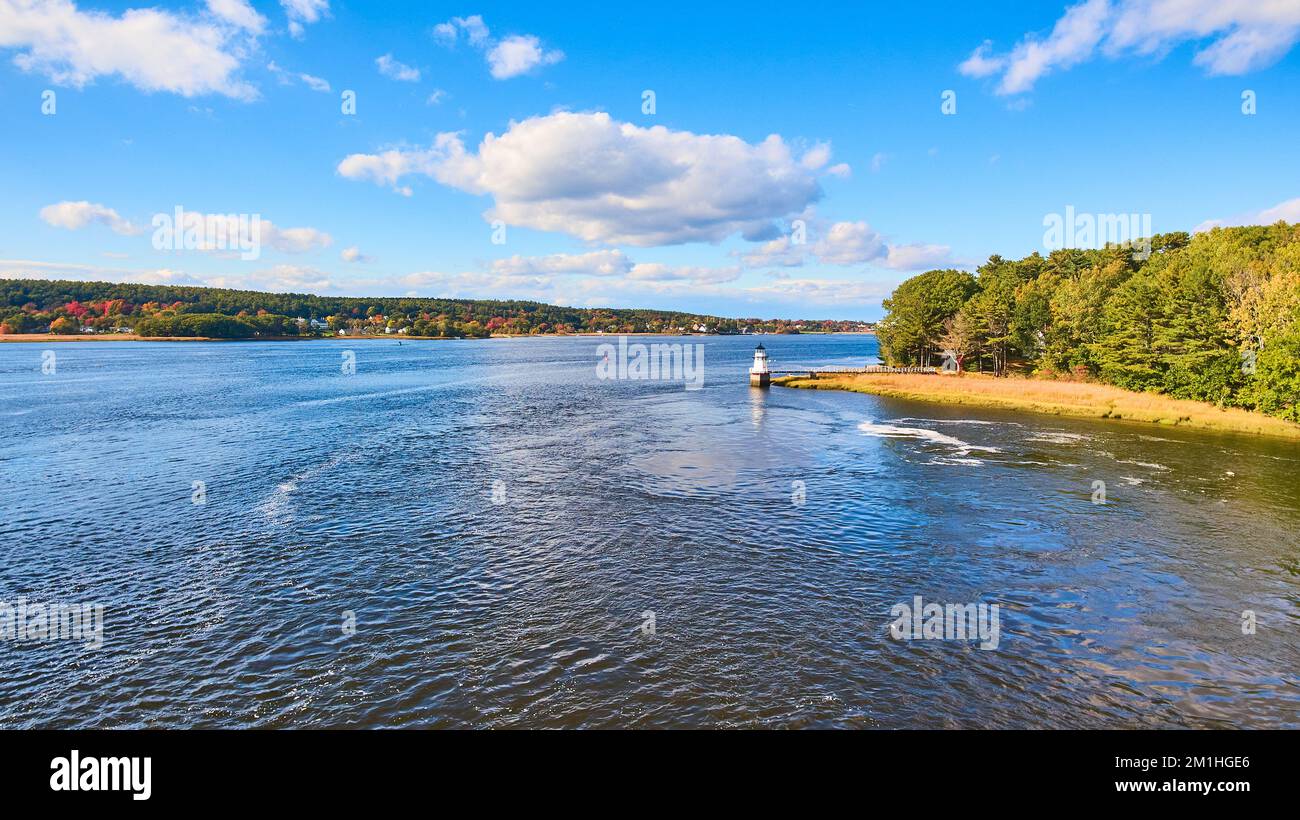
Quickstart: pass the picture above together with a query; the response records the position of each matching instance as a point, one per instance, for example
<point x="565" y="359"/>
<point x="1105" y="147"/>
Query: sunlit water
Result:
<point x="373" y="494"/>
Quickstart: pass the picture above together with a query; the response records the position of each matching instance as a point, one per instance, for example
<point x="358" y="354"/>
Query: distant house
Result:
<point x="317" y="324"/>
<point x="343" y="333"/>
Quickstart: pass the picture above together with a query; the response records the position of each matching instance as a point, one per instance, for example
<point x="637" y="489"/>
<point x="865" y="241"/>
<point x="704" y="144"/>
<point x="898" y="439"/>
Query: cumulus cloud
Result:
<point x="850" y="243"/>
<point x="354" y="255"/>
<point x="302" y="13"/>
<point x="601" y="180"/>
<point x="596" y="263"/>
<point x="1288" y="211"/>
<point x="519" y="54"/>
<point x="74" y="216"/>
<point x="847" y="244"/>
<point x="185" y="54"/>
<point x="508" y="57"/>
<point x="397" y="71"/>
<point x="1243" y="35"/>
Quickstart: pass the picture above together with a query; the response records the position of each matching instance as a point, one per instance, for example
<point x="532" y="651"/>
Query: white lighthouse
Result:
<point x="759" y="375"/>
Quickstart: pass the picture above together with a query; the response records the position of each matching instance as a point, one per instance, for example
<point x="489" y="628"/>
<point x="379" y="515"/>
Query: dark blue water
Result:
<point x="495" y="522"/>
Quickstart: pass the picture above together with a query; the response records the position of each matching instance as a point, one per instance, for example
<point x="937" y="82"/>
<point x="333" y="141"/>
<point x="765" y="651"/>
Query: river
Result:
<point x="487" y="534"/>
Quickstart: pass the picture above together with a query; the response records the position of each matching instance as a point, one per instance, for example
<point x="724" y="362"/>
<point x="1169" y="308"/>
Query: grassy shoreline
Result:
<point x="1074" y="399"/>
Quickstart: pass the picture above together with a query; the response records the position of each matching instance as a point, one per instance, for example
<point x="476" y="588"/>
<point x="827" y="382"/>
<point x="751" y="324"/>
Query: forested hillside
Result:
<point x="1213" y="317"/>
<point x="39" y="306"/>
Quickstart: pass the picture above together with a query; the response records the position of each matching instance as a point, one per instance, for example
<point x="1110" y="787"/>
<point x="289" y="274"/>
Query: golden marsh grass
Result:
<point x="1078" y="399"/>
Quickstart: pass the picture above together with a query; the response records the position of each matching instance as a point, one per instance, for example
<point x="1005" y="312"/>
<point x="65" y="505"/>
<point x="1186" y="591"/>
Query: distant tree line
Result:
<point x="1213" y="317"/>
<point x="39" y="306"/>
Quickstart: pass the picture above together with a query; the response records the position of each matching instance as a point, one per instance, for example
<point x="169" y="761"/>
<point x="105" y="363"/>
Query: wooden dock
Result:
<point x="850" y="371"/>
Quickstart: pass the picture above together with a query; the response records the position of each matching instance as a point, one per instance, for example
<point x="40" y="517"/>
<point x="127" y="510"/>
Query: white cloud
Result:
<point x="302" y="13"/>
<point x="397" y="71"/>
<point x="828" y="292"/>
<point x="77" y="215"/>
<point x="354" y="254"/>
<point x="278" y="279"/>
<point x="294" y="240"/>
<point x="519" y="54"/>
<point x="657" y="272"/>
<point x="436" y="97"/>
<point x="847" y="244"/>
<point x="878" y="161"/>
<point x="850" y="243"/>
<point x="287" y="78"/>
<point x="601" y="180"/>
<point x="1244" y="35"/>
<point x="1288" y="211"/>
<point x="153" y="50"/>
<point x="508" y="57"/>
<point x="74" y="216"/>
<point x="473" y="27"/>
<point x="34" y="269"/>
<point x="980" y="64"/>
<point x="917" y="256"/>
<point x="596" y="263"/>
<point x="315" y="83"/>
<point x="780" y="251"/>
<point x="238" y="13"/>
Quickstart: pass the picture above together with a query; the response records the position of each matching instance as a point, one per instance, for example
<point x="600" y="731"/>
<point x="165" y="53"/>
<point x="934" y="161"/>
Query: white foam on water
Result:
<point x="963" y="448"/>
<point x="277" y="508"/>
<point x="970" y="462"/>
<point x="1058" y="437"/>
<point x="1148" y="464"/>
<point x="966" y="421"/>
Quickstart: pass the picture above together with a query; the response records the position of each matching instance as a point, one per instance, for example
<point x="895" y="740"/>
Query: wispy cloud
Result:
<point x="397" y="71"/>
<point x="302" y="13"/>
<point x="1288" y="211"/>
<point x="1242" y="35"/>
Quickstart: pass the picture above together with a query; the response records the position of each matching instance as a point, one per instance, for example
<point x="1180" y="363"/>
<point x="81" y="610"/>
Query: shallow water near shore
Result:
<point x="497" y="522"/>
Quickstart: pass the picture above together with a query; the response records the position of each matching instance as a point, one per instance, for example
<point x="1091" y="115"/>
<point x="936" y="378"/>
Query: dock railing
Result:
<point x="851" y="371"/>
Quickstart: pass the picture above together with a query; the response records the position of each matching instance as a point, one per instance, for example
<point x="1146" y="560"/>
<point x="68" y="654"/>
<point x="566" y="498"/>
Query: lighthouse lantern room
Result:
<point x="759" y="375"/>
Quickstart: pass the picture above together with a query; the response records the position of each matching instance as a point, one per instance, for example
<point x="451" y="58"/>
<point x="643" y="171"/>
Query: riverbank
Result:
<point x="1075" y="399"/>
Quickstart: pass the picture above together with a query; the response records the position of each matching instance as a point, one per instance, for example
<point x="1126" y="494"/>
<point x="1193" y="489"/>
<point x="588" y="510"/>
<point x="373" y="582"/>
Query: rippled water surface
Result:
<point x="373" y="494"/>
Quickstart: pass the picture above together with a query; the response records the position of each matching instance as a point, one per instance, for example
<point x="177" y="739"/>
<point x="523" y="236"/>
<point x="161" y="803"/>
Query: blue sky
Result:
<point x="764" y="114"/>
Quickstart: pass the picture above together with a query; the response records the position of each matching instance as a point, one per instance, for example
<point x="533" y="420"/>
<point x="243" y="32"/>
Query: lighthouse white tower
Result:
<point x="759" y="375"/>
